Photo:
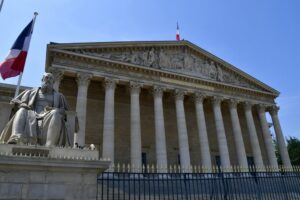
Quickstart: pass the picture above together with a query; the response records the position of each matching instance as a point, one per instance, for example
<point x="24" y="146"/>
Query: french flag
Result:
<point x="177" y="33"/>
<point x="14" y="63"/>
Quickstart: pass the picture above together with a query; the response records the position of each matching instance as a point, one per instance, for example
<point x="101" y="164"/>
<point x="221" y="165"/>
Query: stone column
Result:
<point x="253" y="135"/>
<point x="135" y="125"/>
<point x="202" y="131"/>
<point x="109" y="120"/>
<point x="83" y="80"/>
<point x="160" y="137"/>
<point x="222" y="141"/>
<point x="184" y="150"/>
<point x="267" y="136"/>
<point x="58" y="75"/>
<point x="279" y="137"/>
<point x="237" y="134"/>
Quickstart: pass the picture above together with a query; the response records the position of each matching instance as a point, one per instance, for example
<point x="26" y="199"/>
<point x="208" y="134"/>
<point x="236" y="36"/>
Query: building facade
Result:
<point x="166" y="103"/>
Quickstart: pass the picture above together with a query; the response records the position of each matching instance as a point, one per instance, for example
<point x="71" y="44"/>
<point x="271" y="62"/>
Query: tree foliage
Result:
<point x="293" y="146"/>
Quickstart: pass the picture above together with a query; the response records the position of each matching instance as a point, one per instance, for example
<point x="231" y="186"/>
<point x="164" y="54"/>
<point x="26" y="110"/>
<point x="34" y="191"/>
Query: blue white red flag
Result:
<point x="177" y="33"/>
<point x="14" y="63"/>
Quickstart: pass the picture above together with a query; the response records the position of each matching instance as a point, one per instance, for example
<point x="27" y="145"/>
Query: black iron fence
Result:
<point x="204" y="186"/>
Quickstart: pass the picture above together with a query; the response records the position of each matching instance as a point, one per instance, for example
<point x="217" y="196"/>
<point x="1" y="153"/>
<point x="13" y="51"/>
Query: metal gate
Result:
<point x="204" y="186"/>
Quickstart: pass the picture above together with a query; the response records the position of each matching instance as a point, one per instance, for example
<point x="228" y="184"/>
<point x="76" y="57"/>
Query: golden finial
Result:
<point x="112" y="167"/>
<point x="128" y="168"/>
<point x="175" y="168"/>
<point x="152" y="168"/>
<point x="170" y="169"/>
<point x="118" y="167"/>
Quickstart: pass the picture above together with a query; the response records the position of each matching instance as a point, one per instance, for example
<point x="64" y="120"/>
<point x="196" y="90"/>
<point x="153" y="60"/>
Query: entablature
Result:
<point x="100" y="68"/>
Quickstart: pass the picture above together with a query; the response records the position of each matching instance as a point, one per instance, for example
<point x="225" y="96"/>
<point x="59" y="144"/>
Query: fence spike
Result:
<point x="174" y="169"/>
<point x="143" y="168"/>
<point x="118" y="167"/>
<point x="194" y="169"/>
<point x="235" y="168"/>
<point x="239" y="168"/>
<point x="269" y="168"/>
<point x="128" y="168"/>
<point x="170" y="169"/>
<point x="112" y="167"/>
<point x="257" y="168"/>
<point x="152" y="168"/>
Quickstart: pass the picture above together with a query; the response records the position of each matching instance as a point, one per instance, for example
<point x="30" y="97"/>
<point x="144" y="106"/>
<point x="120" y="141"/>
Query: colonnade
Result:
<point x="83" y="80"/>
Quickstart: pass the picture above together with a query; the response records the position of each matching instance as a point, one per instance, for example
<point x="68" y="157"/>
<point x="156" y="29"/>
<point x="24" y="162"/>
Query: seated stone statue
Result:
<point x="40" y="119"/>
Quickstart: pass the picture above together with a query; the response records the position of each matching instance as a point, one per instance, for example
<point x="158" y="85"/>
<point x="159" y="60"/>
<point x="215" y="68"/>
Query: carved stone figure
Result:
<point x="164" y="60"/>
<point x="152" y="58"/>
<point x="180" y="61"/>
<point x="219" y="73"/>
<point x="189" y="62"/>
<point x="40" y="119"/>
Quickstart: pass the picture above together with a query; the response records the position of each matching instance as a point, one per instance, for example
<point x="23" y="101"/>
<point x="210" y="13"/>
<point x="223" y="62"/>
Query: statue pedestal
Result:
<point x="48" y="173"/>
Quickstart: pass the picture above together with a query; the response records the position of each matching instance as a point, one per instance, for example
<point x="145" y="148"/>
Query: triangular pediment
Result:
<point x="180" y="57"/>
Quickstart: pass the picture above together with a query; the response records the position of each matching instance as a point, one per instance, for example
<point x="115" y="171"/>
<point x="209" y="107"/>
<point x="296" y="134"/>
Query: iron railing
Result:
<point x="204" y="186"/>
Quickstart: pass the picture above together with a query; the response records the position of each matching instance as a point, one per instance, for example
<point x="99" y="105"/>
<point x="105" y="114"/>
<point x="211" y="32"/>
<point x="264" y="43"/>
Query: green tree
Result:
<point x="293" y="146"/>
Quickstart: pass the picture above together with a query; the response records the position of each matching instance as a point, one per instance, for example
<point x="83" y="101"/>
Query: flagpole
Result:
<point x="18" y="85"/>
<point x="21" y="73"/>
<point x="1" y="4"/>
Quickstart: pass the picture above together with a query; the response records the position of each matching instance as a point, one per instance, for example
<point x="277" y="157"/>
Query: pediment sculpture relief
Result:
<point x="179" y="61"/>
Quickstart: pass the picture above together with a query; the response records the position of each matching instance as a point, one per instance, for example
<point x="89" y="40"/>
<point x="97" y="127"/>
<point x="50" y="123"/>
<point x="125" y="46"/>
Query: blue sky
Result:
<point x="260" y="37"/>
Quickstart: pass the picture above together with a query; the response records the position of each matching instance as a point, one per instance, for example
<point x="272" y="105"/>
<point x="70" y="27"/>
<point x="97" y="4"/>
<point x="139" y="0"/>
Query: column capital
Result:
<point x="83" y="79"/>
<point x="158" y="91"/>
<point x="261" y="107"/>
<point x="233" y="103"/>
<point x="273" y="110"/>
<point x="135" y="87"/>
<point x="57" y="73"/>
<point x="248" y="105"/>
<point x="216" y="100"/>
<point x="110" y="83"/>
<point x="179" y="94"/>
<point x="199" y="97"/>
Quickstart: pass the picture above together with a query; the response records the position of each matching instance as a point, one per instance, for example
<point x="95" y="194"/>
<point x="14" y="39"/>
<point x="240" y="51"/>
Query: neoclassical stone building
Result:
<point x="166" y="102"/>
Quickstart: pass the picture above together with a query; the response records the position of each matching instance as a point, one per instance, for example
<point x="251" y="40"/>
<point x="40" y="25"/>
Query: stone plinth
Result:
<point x="58" y="174"/>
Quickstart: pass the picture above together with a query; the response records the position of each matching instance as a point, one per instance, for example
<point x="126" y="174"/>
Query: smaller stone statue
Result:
<point x="40" y="118"/>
